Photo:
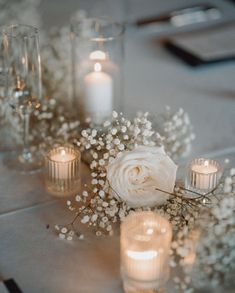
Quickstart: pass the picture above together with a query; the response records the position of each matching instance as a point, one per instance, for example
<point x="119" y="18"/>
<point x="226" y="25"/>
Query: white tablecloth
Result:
<point x="39" y="261"/>
<point x="32" y="254"/>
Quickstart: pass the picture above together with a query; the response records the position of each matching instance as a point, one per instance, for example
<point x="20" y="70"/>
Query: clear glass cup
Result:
<point x="2" y="85"/>
<point x="145" y="245"/>
<point x="62" y="173"/>
<point x="8" y="118"/>
<point x="20" y="47"/>
<point x="97" y="67"/>
<point x="203" y="175"/>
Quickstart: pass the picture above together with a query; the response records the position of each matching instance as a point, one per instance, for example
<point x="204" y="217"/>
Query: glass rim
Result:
<point x="8" y="30"/>
<point x="136" y="215"/>
<point x="201" y="160"/>
<point x="105" y="20"/>
<point x="76" y="152"/>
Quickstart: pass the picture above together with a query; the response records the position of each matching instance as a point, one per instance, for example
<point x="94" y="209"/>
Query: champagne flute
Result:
<point x="22" y="87"/>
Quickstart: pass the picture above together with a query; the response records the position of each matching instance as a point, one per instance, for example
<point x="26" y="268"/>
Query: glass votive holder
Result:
<point x="97" y="67"/>
<point x="203" y="175"/>
<point x="145" y="245"/>
<point x="63" y="171"/>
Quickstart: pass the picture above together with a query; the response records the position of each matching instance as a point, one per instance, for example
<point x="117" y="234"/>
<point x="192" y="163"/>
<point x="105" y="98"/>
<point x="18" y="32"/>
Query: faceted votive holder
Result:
<point x="63" y="171"/>
<point x="145" y="245"/>
<point x="203" y="175"/>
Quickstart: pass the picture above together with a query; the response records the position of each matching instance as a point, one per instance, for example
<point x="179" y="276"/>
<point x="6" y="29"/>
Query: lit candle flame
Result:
<point x="62" y="153"/>
<point x="97" y="67"/>
<point x="206" y="163"/>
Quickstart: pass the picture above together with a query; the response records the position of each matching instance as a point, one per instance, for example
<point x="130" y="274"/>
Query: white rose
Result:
<point x="134" y="176"/>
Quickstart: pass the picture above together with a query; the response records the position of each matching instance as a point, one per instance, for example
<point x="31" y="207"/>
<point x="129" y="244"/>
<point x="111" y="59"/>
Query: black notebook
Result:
<point x="204" y="47"/>
<point x="9" y="286"/>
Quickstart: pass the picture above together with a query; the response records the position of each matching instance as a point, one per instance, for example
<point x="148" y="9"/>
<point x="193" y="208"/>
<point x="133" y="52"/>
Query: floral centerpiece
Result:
<point x="132" y="170"/>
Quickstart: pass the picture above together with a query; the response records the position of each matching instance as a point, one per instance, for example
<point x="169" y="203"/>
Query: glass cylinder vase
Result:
<point x="145" y="245"/>
<point x="97" y="68"/>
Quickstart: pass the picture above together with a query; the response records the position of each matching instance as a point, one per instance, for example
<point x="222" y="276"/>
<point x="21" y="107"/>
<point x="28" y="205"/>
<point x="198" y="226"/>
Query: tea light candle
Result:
<point x="145" y="245"/>
<point x="61" y="159"/>
<point x="63" y="170"/>
<point x="98" y="88"/>
<point x="203" y="174"/>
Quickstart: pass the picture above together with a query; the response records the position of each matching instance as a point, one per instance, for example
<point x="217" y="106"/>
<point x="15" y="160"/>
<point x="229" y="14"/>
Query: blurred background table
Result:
<point x="154" y="78"/>
<point x="30" y="252"/>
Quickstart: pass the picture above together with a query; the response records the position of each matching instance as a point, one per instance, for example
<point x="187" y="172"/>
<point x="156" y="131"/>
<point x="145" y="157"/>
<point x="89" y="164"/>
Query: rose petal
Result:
<point x="135" y="175"/>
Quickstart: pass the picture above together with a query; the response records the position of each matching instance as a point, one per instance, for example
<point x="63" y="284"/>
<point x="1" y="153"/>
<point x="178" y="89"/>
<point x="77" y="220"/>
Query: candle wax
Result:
<point x="204" y="175"/>
<point x="98" y="87"/>
<point x="204" y="169"/>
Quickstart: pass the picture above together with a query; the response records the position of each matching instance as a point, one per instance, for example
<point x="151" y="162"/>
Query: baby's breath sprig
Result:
<point x="100" y="207"/>
<point x="102" y="210"/>
<point x="102" y="145"/>
<point x="176" y="131"/>
<point x="205" y="250"/>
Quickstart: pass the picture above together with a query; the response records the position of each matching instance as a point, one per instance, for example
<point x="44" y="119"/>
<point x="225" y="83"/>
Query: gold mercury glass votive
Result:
<point x="63" y="170"/>
<point x="145" y="245"/>
<point x="203" y="175"/>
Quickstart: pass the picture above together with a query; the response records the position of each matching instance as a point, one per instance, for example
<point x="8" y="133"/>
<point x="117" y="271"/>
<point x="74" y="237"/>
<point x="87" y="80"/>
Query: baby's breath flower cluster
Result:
<point x="9" y="13"/>
<point x="206" y="250"/>
<point x="50" y="124"/>
<point x="118" y="134"/>
<point x="97" y="206"/>
<point x="104" y="145"/>
<point x="204" y="225"/>
<point x="211" y="248"/>
<point x="56" y="71"/>
<point x="23" y="11"/>
<point x="215" y="263"/>
<point x="124" y="134"/>
<point x="176" y="131"/>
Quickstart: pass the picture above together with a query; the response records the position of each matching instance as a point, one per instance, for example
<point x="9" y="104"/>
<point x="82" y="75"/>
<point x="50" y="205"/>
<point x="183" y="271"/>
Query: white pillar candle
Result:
<point x="145" y="244"/>
<point x="98" y="88"/>
<point x="203" y="174"/>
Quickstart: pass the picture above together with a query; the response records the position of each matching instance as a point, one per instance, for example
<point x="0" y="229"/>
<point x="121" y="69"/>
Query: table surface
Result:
<point x="31" y="253"/>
